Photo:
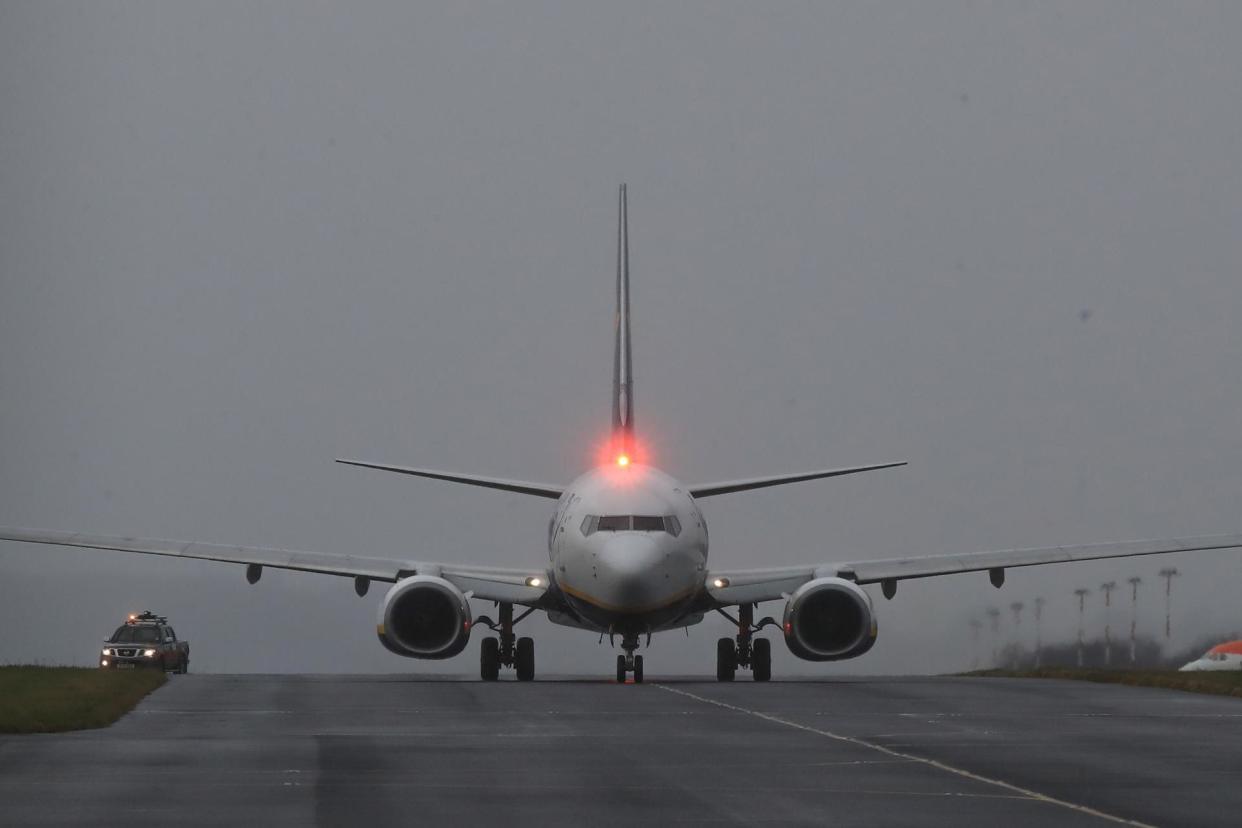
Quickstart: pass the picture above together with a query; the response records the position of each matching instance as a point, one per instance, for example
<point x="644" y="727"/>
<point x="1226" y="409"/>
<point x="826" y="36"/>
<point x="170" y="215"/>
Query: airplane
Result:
<point x="627" y="558"/>
<point x="1226" y="656"/>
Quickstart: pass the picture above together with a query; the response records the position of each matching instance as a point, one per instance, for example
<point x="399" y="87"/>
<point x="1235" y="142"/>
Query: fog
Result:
<point x="237" y="240"/>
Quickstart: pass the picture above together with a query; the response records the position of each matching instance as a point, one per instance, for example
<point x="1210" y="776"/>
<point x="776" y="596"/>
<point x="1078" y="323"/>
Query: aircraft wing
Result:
<point x="742" y="586"/>
<point x="486" y="583"/>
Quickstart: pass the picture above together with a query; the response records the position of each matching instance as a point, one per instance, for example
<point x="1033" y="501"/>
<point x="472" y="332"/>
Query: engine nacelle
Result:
<point x="829" y="619"/>
<point x="424" y="617"/>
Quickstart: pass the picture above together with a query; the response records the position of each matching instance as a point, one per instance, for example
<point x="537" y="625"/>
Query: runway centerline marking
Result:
<point x="935" y="763"/>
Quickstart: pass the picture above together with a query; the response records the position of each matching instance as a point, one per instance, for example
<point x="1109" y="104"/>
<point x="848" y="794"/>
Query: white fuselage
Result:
<point x="628" y="547"/>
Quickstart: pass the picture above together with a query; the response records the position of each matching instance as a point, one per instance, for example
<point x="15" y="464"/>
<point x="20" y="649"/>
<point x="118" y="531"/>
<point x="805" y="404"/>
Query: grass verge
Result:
<point x="1225" y="683"/>
<point x="56" y="699"/>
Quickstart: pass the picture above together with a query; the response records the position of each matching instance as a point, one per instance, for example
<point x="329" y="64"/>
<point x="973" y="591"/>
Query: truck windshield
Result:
<point x="135" y="635"/>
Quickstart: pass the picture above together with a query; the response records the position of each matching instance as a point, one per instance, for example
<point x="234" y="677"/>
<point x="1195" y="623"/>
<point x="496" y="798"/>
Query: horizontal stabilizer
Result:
<point x="728" y="486"/>
<point x="519" y="486"/>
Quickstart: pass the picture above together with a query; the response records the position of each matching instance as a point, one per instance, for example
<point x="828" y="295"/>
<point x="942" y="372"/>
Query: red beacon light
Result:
<point x="620" y="452"/>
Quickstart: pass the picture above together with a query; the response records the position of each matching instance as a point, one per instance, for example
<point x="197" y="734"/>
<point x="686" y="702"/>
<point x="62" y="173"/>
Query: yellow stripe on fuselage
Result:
<point x="628" y="610"/>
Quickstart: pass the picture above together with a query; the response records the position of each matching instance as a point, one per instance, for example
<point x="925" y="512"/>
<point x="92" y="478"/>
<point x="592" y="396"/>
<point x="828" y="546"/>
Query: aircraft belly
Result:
<point x="620" y="621"/>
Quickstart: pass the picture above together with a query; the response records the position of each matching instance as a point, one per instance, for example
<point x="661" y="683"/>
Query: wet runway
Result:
<point x="353" y="750"/>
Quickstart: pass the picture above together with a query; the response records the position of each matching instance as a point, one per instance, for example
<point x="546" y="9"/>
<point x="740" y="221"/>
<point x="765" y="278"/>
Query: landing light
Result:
<point x="534" y="581"/>
<point x="720" y="583"/>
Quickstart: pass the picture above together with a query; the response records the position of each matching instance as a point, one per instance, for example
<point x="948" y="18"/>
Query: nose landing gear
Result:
<point x="629" y="663"/>
<point x="745" y="651"/>
<point x="506" y="651"/>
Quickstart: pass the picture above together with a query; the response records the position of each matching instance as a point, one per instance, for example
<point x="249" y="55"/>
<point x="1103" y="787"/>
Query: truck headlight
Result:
<point x="148" y="653"/>
<point x="106" y="651"/>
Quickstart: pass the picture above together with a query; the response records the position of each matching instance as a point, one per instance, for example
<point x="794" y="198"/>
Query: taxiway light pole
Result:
<point x="1039" y="641"/>
<point x="1168" y="573"/>
<point x="1107" y="588"/>
<point x="1082" y="598"/>
<point x="975" y="626"/>
<point x="1016" y="609"/>
<point x="1133" y="582"/>
<point x="994" y="618"/>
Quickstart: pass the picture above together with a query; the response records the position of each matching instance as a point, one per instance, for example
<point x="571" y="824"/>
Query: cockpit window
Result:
<point x="631" y="523"/>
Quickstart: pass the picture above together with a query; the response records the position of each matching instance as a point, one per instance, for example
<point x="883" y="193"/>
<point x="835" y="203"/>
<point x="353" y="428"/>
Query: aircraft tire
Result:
<point x="726" y="659"/>
<point x="489" y="659"/>
<point x="761" y="659"/>
<point x="638" y="669"/>
<point x="621" y="669"/>
<point x="525" y="659"/>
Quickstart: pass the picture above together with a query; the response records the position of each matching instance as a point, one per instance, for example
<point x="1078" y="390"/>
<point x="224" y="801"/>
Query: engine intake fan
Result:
<point x="829" y="619"/>
<point x="424" y="617"/>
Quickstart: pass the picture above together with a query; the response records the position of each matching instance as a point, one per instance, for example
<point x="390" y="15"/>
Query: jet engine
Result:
<point x="424" y="617"/>
<point x="829" y="619"/>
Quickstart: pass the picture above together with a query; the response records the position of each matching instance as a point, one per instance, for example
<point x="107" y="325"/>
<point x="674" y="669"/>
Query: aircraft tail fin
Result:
<point x="622" y="362"/>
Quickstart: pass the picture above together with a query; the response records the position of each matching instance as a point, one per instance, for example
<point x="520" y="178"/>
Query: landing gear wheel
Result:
<point x="761" y="659"/>
<point x="621" y="671"/>
<point x="489" y="659"/>
<point x="525" y="659"/>
<point x="638" y="669"/>
<point x="726" y="659"/>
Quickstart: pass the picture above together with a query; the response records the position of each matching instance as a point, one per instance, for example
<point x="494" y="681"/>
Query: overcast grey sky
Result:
<point x="998" y="240"/>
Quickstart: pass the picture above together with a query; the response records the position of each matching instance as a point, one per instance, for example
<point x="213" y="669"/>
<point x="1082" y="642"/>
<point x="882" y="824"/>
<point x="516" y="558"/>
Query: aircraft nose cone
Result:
<point x="630" y="555"/>
<point x="630" y="572"/>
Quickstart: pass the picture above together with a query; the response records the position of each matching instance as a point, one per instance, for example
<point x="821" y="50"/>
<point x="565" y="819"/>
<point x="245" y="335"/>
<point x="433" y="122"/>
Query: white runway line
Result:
<point x="853" y="740"/>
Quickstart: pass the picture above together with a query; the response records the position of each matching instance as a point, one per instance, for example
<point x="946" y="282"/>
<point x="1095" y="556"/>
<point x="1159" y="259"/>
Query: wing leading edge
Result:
<point x="486" y="583"/>
<point x="769" y="584"/>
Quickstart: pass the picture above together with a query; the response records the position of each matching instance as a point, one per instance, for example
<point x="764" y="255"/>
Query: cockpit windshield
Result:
<point x="631" y="523"/>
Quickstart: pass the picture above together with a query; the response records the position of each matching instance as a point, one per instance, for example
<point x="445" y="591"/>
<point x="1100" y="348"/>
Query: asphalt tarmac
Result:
<point x="358" y="750"/>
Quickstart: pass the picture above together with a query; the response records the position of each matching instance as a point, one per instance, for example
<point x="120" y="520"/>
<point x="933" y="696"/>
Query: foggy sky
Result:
<point x="1000" y="241"/>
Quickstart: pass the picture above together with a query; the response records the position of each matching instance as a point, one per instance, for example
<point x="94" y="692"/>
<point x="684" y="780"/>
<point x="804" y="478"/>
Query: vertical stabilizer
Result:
<point x="622" y="366"/>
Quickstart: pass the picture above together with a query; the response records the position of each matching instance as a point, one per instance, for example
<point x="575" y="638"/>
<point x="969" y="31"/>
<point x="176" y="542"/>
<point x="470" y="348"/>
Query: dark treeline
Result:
<point x="1149" y="654"/>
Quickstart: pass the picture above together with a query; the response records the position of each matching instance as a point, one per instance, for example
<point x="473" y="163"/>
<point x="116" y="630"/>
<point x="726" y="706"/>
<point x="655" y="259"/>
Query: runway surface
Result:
<point x="354" y="750"/>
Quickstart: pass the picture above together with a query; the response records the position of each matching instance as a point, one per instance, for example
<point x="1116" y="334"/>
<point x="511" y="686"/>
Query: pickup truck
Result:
<point x="145" y="641"/>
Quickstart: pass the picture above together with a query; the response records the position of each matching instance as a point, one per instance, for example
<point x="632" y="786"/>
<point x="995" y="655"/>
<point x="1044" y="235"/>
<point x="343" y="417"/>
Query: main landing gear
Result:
<point x="506" y="651"/>
<point x="629" y="663"/>
<point x="745" y="651"/>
